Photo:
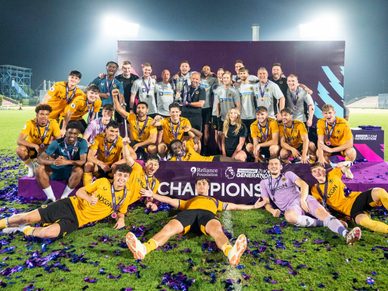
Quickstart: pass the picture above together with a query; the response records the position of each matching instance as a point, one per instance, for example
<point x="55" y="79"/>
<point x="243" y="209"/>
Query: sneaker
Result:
<point x="237" y="250"/>
<point x="135" y="246"/>
<point x="348" y="173"/>
<point x="9" y="230"/>
<point x="353" y="235"/>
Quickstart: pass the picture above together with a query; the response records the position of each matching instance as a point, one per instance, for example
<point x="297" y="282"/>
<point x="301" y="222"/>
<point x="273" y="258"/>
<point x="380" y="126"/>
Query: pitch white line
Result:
<point x="231" y="272"/>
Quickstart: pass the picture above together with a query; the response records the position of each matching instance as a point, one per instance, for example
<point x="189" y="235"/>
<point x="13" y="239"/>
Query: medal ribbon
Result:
<point x="69" y="99"/>
<point x="106" y="150"/>
<point x="114" y="206"/>
<point x="272" y="188"/>
<point x="147" y="87"/>
<point x="46" y="129"/>
<point x="262" y="92"/>
<point x="288" y="137"/>
<point x="70" y="155"/>
<point x="141" y="131"/>
<point x="175" y="132"/>
<point x="324" y="194"/>
<point x="264" y="134"/>
<point x="329" y="133"/>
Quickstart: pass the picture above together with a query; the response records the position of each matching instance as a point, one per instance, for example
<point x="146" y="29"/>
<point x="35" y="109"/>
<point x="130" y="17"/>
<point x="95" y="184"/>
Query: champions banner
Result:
<point x="230" y="182"/>
<point x="318" y="64"/>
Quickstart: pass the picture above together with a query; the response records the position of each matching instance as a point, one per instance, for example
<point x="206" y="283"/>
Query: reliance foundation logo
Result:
<point x="203" y="172"/>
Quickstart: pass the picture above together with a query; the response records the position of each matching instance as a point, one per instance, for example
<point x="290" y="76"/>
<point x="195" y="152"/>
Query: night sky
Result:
<point x="54" y="37"/>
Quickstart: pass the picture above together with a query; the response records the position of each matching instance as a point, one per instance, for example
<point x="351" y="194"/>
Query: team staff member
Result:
<point x="331" y="191"/>
<point x="198" y="214"/>
<point x="36" y="136"/>
<point x="127" y="79"/>
<point x="104" y="154"/>
<point x="193" y="101"/>
<point x="265" y="136"/>
<point x="63" y="93"/>
<point x="62" y="160"/>
<point x="294" y="139"/>
<point x="90" y="104"/>
<point x="142" y="132"/>
<point x="91" y="203"/>
<point x="334" y="136"/>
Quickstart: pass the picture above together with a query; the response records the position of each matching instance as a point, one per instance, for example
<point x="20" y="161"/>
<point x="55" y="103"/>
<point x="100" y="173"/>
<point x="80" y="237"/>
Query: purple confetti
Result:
<point x="90" y="280"/>
<point x="177" y="281"/>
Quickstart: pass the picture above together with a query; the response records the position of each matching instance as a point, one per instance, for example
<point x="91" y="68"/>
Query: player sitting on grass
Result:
<point x="290" y="194"/>
<point x="198" y="214"/>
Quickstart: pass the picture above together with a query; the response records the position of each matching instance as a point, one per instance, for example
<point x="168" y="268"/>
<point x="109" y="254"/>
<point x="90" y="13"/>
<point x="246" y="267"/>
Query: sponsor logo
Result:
<point x="252" y="173"/>
<point x="365" y="137"/>
<point x="203" y="172"/>
<point x="230" y="173"/>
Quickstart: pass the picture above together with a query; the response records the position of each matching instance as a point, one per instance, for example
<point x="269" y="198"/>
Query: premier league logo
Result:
<point x="230" y="173"/>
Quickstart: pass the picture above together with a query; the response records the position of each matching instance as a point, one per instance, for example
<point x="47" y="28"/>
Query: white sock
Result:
<point x="66" y="192"/>
<point x="49" y="193"/>
<point x="307" y="221"/>
<point x="30" y="167"/>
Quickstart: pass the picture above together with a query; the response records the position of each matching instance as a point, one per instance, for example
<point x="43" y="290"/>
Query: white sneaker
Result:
<point x="9" y="230"/>
<point x="347" y="172"/>
<point x="353" y="235"/>
<point x="237" y="250"/>
<point x="135" y="246"/>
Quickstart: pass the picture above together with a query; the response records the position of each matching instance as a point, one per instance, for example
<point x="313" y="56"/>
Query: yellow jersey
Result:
<point x="293" y="134"/>
<point x="138" y="180"/>
<point x="102" y="189"/>
<point x="41" y="134"/>
<point x="203" y="203"/>
<point x="107" y="152"/>
<point x="264" y="133"/>
<point x="190" y="155"/>
<point x="60" y="97"/>
<point x="172" y="130"/>
<point x="336" y="198"/>
<point x="80" y="106"/>
<point x="140" y="130"/>
<point x="337" y="134"/>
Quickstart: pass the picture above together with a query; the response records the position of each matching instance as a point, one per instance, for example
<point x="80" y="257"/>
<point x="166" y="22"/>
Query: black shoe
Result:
<point x="48" y="201"/>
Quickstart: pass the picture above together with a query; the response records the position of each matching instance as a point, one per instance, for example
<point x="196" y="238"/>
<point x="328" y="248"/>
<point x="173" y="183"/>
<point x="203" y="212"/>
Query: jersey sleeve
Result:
<point x="315" y="193"/>
<point x="52" y="148"/>
<point x="83" y="147"/>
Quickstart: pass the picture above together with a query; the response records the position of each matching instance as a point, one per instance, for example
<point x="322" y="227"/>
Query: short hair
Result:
<point x="152" y="157"/>
<point x="108" y="107"/>
<point x="44" y="107"/>
<point x="184" y="62"/>
<point x="327" y="107"/>
<point x="316" y="165"/>
<point x="142" y="102"/>
<point x="146" y="65"/>
<point x="74" y="125"/>
<point x="195" y="73"/>
<point x="201" y="179"/>
<point x="75" y="73"/>
<point x="261" y="109"/>
<point x="227" y="73"/>
<point x="286" y="110"/>
<point x="126" y="63"/>
<point x="174" y="105"/>
<point x="263" y="69"/>
<point x="293" y="76"/>
<point x="123" y="168"/>
<point x="275" y="158"/>
<point x="276" y="65"/>
<point x="112" y="63"/>
<point x="243" y="69"/>
<point x="174" y="142"/>
<point x="93" y="87"/>
<point x="112" y="123"/>
<point x="238" y="61"/>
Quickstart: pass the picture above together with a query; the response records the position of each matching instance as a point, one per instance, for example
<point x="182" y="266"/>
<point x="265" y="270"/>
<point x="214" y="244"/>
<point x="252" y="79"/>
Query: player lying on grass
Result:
<point x="290" y="194"/>
<point x="198" y="214"/>
<point x="331" y="191"/>
<point x="91" y="203"/>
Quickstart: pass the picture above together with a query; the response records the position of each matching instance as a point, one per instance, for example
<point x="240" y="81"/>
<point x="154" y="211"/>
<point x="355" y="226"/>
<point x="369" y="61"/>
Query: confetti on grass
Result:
<point x="177" y="281"/>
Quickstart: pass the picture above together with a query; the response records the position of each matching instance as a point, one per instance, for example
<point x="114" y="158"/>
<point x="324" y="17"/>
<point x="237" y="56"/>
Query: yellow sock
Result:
<point x="226" y="248"/>
<point x="151" y="245"/>
<point x="87" y="179"/>
<point x="374" y="225"/>
<point x="28" y="230"/>
<point x="3" y="223"/>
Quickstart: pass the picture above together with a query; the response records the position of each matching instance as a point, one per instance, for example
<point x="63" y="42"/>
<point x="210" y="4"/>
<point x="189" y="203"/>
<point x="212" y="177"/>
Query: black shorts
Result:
<point x="195" y="219"/>
<point x="61" y="212"/>
<point x="362" y="203"/>
<point x="265" y="152"/>
<point x="206" y="115"/>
